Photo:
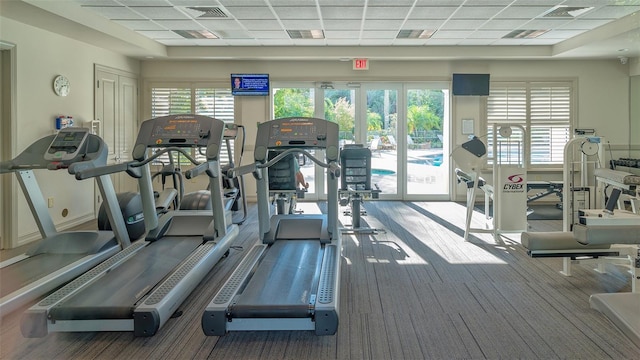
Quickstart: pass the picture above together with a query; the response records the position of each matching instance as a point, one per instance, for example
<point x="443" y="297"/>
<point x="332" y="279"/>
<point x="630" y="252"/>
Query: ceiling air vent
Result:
<point x="208" y="12"/>
<point x="564" y="11"/>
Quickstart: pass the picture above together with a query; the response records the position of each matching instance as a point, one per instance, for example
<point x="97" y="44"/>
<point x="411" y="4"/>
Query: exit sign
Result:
<point x="360" y="64"/>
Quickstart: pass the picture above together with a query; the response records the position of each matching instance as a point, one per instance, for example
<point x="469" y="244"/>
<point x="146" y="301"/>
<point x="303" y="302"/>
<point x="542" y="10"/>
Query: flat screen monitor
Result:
<point x="471" y="84"/>
<point x="250" y="84"/>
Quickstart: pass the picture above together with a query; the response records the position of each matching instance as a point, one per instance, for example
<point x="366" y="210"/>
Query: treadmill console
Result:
<point x="178" y="130"/>
<point x="67" y="144"/>
<point x="297" y="132"/>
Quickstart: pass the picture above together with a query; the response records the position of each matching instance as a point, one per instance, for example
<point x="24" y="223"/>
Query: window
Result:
<point x="544" y="109"/>
<point x="195" y="99"/>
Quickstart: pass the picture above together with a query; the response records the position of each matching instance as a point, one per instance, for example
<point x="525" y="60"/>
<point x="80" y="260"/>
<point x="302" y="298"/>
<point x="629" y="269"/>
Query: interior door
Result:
<point x="116" y="107"/>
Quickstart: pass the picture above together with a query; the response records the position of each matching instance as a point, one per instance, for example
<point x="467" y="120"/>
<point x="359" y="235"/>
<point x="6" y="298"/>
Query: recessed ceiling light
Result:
<point x="306" y="34"/>
<point x="623" y="50"/>
<point x="524" y="34"/>
<point x="415" y="34"/>
<point x="564" y="11"/>
<point x="196" y="34"/>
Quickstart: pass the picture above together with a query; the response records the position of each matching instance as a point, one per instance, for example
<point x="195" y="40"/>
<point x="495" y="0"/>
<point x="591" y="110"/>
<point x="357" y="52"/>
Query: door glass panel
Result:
<point x="339" y="106"/>
<point x="381" y="124"/>
<point x="427" y="167"/>
<point x="290" y="102"/>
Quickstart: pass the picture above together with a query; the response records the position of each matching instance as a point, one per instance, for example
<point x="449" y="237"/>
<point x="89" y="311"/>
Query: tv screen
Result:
<point x="471" y="84"/>
<point x="250" y="84"/>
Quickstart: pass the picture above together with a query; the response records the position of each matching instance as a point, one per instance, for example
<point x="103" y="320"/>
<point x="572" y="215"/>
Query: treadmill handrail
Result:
<point x="88" y="171"/>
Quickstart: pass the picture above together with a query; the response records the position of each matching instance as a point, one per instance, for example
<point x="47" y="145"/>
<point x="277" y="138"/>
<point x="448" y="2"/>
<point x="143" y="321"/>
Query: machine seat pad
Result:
<point x="554" y="240"/>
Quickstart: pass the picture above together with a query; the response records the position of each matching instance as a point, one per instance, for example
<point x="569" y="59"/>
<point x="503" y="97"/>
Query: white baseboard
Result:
<point x="33" y="236"/>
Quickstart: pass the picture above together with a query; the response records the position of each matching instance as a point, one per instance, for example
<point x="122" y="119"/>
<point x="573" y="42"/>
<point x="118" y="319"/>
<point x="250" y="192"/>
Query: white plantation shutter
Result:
<point x="550" y="123"/>
<point x="216" y="103"/>
<point x="544" y="109"/>
<point x="209" y="101"/>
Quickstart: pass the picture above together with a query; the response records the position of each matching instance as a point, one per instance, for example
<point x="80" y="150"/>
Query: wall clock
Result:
<point x="61" y="85"/>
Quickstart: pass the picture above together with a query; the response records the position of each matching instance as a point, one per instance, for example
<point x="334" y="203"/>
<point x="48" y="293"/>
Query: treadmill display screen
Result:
<point x="296" y="132"/>
<point x="66" y="144"/>
<point x="177" y="132"/>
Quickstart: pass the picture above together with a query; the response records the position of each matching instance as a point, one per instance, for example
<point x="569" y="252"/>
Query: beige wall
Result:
<point x="41" y="56"/>
<point x="602" y="92"/>
<point x="602" y="86"/>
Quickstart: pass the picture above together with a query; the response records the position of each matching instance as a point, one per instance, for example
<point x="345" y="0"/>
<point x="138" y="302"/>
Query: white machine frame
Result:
<point x="499" y="191"/>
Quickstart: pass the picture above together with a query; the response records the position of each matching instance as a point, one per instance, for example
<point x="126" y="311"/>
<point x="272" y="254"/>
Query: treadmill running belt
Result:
<point x="27" y="271"/>
<point x="115" y="295"/>
<point x="283" y="282"/>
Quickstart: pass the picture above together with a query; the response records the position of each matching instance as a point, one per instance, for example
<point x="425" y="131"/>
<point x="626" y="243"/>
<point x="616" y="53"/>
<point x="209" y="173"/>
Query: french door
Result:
<point x="406" y="126"/>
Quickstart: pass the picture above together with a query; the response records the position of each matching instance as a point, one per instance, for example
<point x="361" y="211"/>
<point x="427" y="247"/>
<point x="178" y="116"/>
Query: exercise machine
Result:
<point x="355" y="186"/>
<point x="141" y="287"/>
<point x="58" y="257"/>
<point x="592" y="241"/>
<point x="289" y="280"/>
<point x="507" y="190"/>
<point x="283" y="189"/>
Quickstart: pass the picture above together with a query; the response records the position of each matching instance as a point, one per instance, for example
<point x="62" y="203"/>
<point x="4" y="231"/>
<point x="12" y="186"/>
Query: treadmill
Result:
<point x="58" y="257"/>
<point x="289" y="280"/>
<point x="141" y="287"/>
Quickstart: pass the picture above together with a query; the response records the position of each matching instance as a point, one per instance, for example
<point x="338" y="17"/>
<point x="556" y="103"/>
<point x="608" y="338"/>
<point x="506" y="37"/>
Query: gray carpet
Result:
<point x="416" y="291"/>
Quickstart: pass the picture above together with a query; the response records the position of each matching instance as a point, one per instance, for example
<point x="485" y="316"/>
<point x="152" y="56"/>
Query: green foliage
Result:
<point x="374" y="121"/>
<point x="344" y="114"/>
<point x="292" y="102"/>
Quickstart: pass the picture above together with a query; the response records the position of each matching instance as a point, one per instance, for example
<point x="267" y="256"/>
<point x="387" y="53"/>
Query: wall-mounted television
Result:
<point x="471" y="84"/>
<point x="250" y="84"/>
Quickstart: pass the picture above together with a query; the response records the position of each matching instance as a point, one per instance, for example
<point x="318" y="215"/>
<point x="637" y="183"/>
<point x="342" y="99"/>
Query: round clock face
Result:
<point x="61" y="85"/>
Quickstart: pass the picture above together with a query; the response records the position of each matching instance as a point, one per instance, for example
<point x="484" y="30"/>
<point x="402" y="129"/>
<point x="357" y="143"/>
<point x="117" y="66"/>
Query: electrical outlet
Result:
<point x="50" y="202"/>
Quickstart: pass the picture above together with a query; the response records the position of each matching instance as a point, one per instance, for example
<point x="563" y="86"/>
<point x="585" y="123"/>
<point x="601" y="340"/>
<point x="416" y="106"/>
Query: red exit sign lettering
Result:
<point x="360" y="64"/>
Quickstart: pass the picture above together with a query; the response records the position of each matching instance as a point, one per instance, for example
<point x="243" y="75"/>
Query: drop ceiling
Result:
<point x="392" y="29"/>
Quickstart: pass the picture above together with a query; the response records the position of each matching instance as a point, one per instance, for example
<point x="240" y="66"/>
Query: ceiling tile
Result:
<point x="462" y="24"/>
<point x="292" y="2"/>
<point x="115" y="13"/>
<point x="234" y="34"/>
<point x="153" y="12"/>
<point x="276" y="42"/>
<point x="504" y="24"/>
<point x="410" y="42"/>
<point x="477" y="12"/>
<point x="476" y="42"/>
<point x="379" y="34"/>
<point x="342" y="24"/>
<point x="179" y="24"/>
<point x="488" y="34"/>
<point x="297" y="12"/>
<point x="341" y="34"/>
<point x="610" y="12"/>
<point x="346" y="12"/>
<point x="445" y="34"/>
<point x="262" y="25"/>
<point x="139" y="24"/>
<point x="406" y="3"/>
<point x="145" y="2"/>
<point x="387" y="12"/>
<point x="522" y="12"/>
<point x="253" y="12"/>
<point x="226" y="24"/>
<point x="422" y="24"/>
<point x="270" y="34"/>
<point x="440" y="2"/>
<point x="432" y="12"/>
<point x="240" y="2"/>
<point x="382" y="24"/>
<point x="340" y="2"/>
<point x="301" y="24"/>
<point x="160" y="34"/>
